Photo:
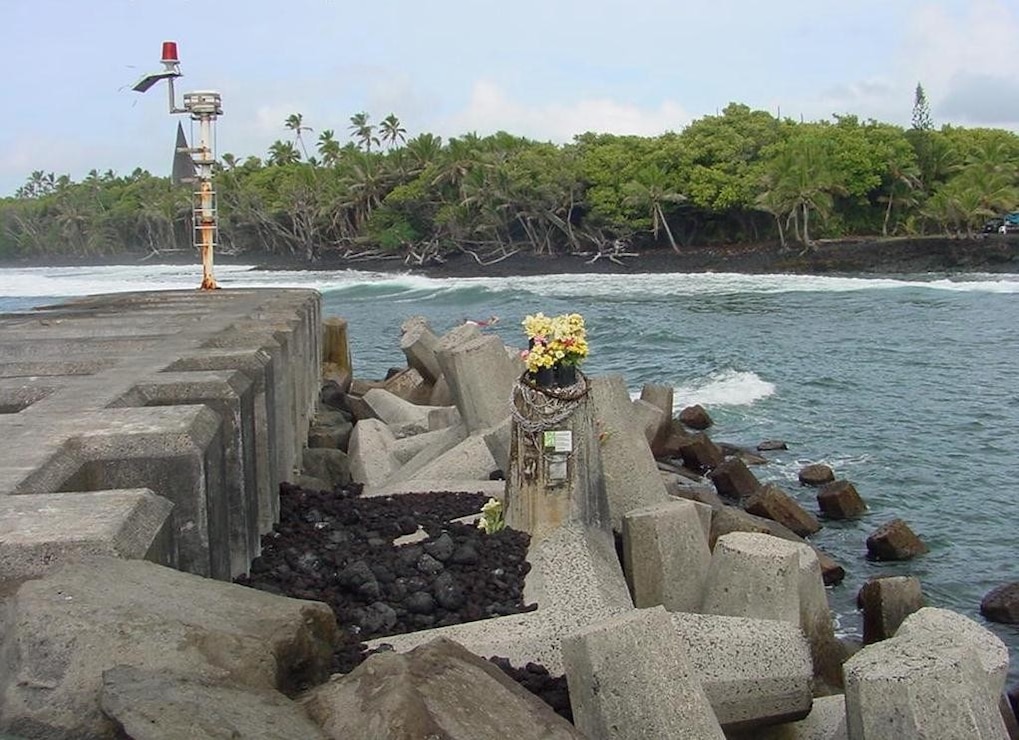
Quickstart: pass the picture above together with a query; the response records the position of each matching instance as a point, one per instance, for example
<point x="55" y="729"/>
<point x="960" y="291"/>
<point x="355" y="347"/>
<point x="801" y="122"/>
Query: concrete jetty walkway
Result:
<point x="113" y="407"/>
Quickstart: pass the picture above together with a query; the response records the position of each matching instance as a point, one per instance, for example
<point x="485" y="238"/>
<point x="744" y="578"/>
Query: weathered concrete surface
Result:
<point x="61" y="631"/>
<point x="157" y="705"/>
<point x="40" y="531"/>
<point x="437" y="690"/>
<point x="201" y="397"/>
<point x="628" y="681"/>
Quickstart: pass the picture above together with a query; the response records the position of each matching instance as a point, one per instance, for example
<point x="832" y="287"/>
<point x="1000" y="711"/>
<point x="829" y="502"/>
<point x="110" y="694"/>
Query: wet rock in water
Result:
<point x="695" y="417"/>
<point x="770" y="445"/>
<point x="1001" y="604"/>
<point x="840" y="500"/>
<point x="816" y="474"/>
<point x="894" y="540"/>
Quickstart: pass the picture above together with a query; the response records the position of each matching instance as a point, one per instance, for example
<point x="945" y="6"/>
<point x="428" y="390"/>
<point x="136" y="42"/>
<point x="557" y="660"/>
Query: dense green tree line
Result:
<point x="740" y="176"/>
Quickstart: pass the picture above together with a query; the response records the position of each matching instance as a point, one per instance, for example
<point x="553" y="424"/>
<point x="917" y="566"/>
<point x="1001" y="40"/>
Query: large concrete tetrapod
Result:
<point x="555" y="472"/>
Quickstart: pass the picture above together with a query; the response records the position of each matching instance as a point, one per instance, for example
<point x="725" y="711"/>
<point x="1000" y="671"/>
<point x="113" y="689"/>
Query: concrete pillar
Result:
<point x="666" y="556"/>
<point x="480" y="376"/>
<point x="418" y="344"/>
<point x="335" y="347"/>
<point x="631" y="475"/>
<point x="555" y="474"/>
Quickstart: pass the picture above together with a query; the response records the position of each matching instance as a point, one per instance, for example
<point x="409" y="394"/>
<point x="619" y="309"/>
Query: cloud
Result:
<point x="960" y="57"/>
<point x="490" y="109"/>
<point x="982" y="99"/>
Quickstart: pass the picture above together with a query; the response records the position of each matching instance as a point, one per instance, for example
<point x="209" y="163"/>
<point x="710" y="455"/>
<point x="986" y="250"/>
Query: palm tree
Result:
<point x="363" y="131"/>
<point x="392" y="131"/>
<point x="424" y="149"/>
<point x="803" y="175"/>
<point x="283" y="152"/>
<point x="328" y="147"/>
<point x="905" y="181"/>
<point x="295" y="122"/>
<point x="650" y="189"/>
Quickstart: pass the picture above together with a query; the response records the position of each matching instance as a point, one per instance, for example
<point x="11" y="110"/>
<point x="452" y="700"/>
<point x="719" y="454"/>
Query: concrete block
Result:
<point x="886" y="602"/>
<point x="229" y="393"/>
<point x="666" y="556"/>
<point x="425" y="448"/>
<point x="734" y="480"/>
<point x="754" y="575"/>
<point x="661" y="397"/>
<point x="394" y="410"/>
<point x="175" y="451"/>
<point x="626" y="681"/>
<point x="773" y="503"/>
<point x="480" y="377"/>
<point x="64" y="630"/>
<point x="149" y="704"/>
<point x="371" y="453"/>
<point x="409" y="385"/>
<point x="418" y="343"/>
<point x="575" y="580"/>
<point x="438" y="690"/>
<point x="405" y="448"/>
<point x="499" y="438"/>
<point x="815" y="618"/>
<point x="936" y="628"/>
<point x="901" y="687"/>
<point x="40" y="532"/>
<point x="826" y="721"/>
<point x="631" y="476"/>
<point x="260" y="368"/>
<point x="468" y="459"/>
<point x="648" y="418"/>
<point x="440" y="417"/>
<point x="755" y="672"/>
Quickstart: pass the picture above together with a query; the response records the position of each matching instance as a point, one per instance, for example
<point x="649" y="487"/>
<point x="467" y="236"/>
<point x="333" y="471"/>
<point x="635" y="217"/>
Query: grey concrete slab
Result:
<point x="755" y="672"/>
<point x="227" y="380"/>
<point x="38" y="532"/>
<point x="229" y="394"/>
<point x="627" y="682"/>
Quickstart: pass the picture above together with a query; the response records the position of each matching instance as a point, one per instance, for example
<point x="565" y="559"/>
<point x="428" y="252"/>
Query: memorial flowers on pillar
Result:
<point x="556" y="346"/>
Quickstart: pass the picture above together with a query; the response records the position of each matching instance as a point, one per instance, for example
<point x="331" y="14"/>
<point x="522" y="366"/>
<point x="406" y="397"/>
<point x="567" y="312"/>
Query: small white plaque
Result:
<point x="559" y="441"/>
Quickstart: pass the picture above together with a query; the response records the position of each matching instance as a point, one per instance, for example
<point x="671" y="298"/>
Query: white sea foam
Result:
<point x="79" y="281"/>
<point x="723" y="388"/>
<point x="693" y="284"/>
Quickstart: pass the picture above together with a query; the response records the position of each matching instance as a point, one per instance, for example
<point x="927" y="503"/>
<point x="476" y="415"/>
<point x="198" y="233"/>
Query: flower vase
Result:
<point x="565" y="375"/>
<point x="543" y="377"/>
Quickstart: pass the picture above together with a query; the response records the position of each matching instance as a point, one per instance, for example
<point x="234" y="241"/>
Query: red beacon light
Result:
<point x="170" y="53"/>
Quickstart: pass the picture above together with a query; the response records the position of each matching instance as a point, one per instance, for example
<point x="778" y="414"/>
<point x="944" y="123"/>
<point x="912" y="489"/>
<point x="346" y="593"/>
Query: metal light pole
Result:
<point x="204" y="107"/>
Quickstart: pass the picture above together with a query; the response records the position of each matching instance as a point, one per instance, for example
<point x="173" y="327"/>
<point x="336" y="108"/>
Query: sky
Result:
<point x="545" y="69"/>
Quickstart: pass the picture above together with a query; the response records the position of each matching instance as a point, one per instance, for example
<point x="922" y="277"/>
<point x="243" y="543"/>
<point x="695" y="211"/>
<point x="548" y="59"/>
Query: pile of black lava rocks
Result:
<point x="337" y="547"/>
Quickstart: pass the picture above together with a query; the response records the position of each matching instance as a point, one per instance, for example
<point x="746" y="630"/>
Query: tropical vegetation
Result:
<point x="739" y="176"/>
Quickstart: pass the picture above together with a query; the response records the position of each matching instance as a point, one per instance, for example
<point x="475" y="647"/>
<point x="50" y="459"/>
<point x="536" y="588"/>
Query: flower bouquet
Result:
<point x="556" y="346"/>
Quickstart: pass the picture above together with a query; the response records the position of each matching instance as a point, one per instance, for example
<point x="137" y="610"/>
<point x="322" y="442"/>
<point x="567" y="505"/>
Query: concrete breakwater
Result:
<point x="157" y="426"/>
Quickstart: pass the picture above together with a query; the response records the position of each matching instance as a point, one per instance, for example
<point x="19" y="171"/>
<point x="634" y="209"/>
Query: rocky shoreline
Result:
<point x="864" y="255"/>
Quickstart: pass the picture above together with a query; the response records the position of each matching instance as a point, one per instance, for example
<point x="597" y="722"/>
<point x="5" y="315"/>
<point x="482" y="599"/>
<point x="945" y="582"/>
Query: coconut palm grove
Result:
<point x="742" y="176"/>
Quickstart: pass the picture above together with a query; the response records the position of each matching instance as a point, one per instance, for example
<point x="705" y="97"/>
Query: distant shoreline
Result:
<point x="877" y="256"/>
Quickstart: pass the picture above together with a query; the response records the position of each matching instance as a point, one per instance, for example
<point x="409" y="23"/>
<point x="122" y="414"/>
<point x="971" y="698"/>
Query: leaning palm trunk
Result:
<point x="668" y="231"/>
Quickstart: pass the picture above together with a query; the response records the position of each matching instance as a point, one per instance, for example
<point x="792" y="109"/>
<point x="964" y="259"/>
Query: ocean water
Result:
<point x="906" y="386"/>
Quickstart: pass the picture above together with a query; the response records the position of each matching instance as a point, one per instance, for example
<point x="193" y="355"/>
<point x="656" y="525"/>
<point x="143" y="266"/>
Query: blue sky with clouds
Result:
<point x="547" y="69"/>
